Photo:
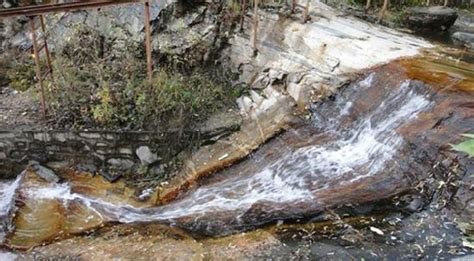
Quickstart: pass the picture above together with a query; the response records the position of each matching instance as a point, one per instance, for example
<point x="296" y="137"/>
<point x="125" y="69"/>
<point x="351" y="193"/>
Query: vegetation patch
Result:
<point x="100" y="81"/>
<point x="20" y="74"/>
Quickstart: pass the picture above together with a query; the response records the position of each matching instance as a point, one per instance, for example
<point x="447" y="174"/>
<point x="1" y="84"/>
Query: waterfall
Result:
<point x="7" y="197"/>
<point x="288" y="186"/>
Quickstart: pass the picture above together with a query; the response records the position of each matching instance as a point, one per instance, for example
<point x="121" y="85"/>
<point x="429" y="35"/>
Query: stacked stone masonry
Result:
<point x="17" y="148"/>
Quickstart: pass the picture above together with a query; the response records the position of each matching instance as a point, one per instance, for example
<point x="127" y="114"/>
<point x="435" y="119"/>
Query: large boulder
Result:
<point x="464" y="39"/>
<point x="463" y="30"/>
<point x="465" y="22"/>
<point x="432" y="18"/>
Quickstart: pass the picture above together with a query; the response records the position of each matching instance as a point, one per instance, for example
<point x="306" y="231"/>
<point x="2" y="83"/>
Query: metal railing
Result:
<point x="34" y="11"/>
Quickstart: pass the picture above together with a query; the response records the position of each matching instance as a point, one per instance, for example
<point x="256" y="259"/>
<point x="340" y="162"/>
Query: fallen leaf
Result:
<point x="466" y="146"/>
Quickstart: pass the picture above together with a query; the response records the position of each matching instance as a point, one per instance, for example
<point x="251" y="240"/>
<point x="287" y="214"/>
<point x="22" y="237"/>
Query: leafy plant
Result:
<point x="21" y="75"/>
<point x="105" y="110"/>
<point x="466" y="146"/>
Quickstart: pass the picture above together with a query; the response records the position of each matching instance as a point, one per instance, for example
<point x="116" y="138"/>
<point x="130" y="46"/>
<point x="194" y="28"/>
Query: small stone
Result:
<point x="44" y="137"/>
<point x="90" y="135"/>
<point x="43" y="172"/>
<point x="125" y="151"/>
<point x="465" y="39"/>
<point x="7" y="135"/>
<point x="110" y="175"/>
<point x="415" y="204"/>
<point x="6" y="4"/>
<point x="123" y="164"/>
<point x="363" y="209"/>
<point x="87" y="167"/>
<point x="146" y="156"/>
<point x="257" y="98"/>
<point x="245" y="104"/>
<point x="57" y="165"/>
<point x="61" y="137"/>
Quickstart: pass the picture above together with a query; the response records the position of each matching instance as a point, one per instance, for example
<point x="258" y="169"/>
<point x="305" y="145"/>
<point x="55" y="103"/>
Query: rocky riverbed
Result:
<point x="394" y="186"/>
<point x="343" y="153"/>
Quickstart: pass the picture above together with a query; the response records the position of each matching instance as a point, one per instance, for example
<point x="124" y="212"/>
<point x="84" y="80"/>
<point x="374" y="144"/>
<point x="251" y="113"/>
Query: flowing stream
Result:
<point x="354" y="145"/>
<point x="7" y="198"/>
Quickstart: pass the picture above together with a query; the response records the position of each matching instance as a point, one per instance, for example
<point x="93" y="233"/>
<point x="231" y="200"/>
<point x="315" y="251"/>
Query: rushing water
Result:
<point x="356" y="144"/>
<point x="7" y="198"/>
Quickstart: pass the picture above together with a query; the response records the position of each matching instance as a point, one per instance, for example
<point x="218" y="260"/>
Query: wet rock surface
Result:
<point x="465" y="22"/>
<point x="465" y="39"/>
<point x="462" y="32"/>
<point x="433" y="18"/>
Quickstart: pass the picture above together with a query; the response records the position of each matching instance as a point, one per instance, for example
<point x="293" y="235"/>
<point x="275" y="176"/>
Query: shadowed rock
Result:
<point x="432" y="18"/>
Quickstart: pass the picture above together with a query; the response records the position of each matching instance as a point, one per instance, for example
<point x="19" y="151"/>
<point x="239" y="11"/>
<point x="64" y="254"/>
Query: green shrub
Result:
<point x="21" y="74"/>
<point x="100" y="84"/>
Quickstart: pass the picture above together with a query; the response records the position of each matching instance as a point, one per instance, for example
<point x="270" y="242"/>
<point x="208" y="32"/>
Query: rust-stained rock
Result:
<point x="49" y="211"/>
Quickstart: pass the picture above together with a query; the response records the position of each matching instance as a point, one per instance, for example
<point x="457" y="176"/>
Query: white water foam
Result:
<point x="7" y="256"/>
<point x="7" y="194"/>
<point x="7" y="197"/>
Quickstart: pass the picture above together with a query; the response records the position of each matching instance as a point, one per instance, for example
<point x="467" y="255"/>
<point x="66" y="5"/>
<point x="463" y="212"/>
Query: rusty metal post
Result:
<point x="242" y="14"/>
<point x="306" y="12"/>
<point x="38" y="67"/>
<point x="46" y="49"/>
<point x="148" y="41"/>
<point x="382" y="12"/>
<point x="255" y="27"/>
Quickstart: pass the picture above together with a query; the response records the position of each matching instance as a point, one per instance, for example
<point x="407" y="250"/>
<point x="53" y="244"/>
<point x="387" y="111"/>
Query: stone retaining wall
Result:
<point x="57" y="149"/>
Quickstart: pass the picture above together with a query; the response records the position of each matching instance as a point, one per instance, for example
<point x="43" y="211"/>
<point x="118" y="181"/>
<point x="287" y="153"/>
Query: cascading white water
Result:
<point x="359" y="150"/>
<point x="7" y="198"/>
<point x="7" y="194"/>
